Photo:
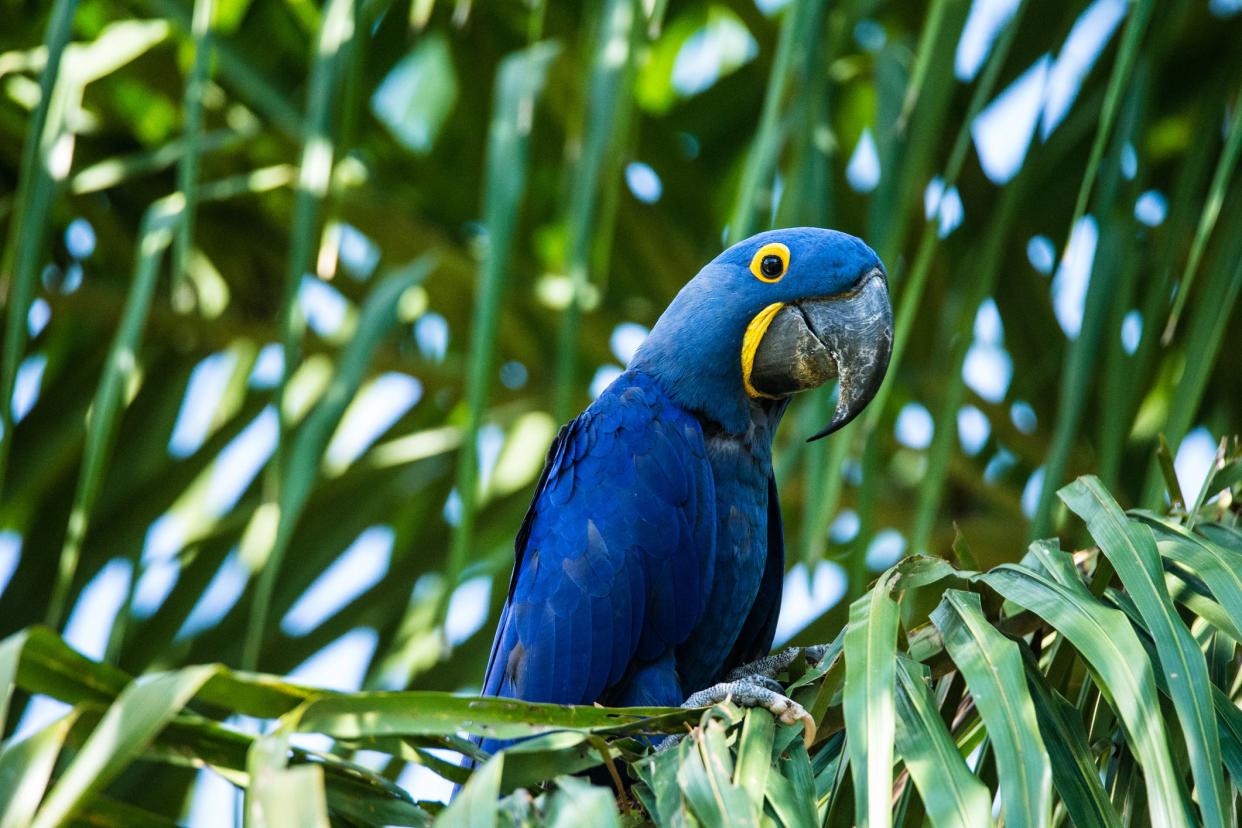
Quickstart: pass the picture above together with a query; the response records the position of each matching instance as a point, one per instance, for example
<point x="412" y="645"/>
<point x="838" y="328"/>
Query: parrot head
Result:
<point x="781" y="312"/>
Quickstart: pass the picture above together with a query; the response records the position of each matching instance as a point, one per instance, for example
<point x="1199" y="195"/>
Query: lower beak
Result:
<point x="810" y="342"/>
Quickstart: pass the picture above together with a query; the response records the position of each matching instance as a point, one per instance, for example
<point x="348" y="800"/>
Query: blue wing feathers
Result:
<point x="612" y="557"/>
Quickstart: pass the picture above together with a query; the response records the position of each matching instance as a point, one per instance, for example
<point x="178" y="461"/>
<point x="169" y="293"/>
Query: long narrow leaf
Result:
<point x="993" y="670"/>
<point x="1108" y="644"/>
<point x="187" y="165"/>
<point x="519" y="82"/>
<point x="1207" y="219"/>
<point x="606" y="116"/>
<point x="951" y="794"/>
<point x="754" y="755"/>
<point x="25" y="768"/>
<point x="711" y="803"/>
<point x="110" y="396"/>
<point x="1127" y="53"/>
<point x="1074" y="772"/>
<point x="800" y="21"/>
<point x="314" y="177"/>
<point x="1218" y="567"/>
<point x="125" y="730"/>
<point x="28" y="228"/>
<point x="413" y="713"/>
<point x="1131" y="548"/>
<point x="10" y="657"/>
<point x="870" y="675"/>
<point x="267" y="551"/>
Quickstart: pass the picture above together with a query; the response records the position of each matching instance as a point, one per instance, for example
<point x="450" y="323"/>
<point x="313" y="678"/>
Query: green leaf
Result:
<point x="1226" y="536"/>
<point x="830" y="661"/>
<point x="754" y="755"/>
<point x="102" y="812"/>
<point x="475" y="804"/>
<point x="109" y="402"/>
<point x="426" y="713"/>
<point x="1188" y="590"/>
<point x="118" y="44"/>
<point x="25" y="768"/>
<point x="1046" y="555"/>
<point x="659" y="772"/>
<point x="1107" y="642"/>
<point x="266" y="550"/>
<point x="138" y="714"/>
<point x="993" y="670"/>
<point x="983" y="277"/>
<point x="290" y="797"/>
<point x="791" y="806"/>
<point x="1228" y="716"/>
<point x="27" y="230"/>
<point x="418" y="93"/>
<point x="1205" y="335"/>
<point x="188" y="163"/>
<point x="595" y="177"/>
<point x="1074" y="772"/>
<point x="921" y="570"/>
<point x="49" y="666"/>
<point x="1218" y="567"/>
<point x="534" y="760"/>
<point x="800" y="22"/>
<point x="352" y="791"/>
<point x="1226" y="477"/>
<point x="1082" y="361"/>
<point x="1164" y="456"/>
<point x="1207" y="219"/>
<point x="654" y="89"/>
<point x="952" y="795"/>
<point x="1127" y="53"/>
<point x="794" y="766"/>
<point x="706" y="778"/>
<point x="870" y="669"/>
<point x="287" y="488"/>
<point x="1131" y="549"/>
<point x="519" y="82"/>
<point x="10" y="657"/>
<point x="578" y="802"/>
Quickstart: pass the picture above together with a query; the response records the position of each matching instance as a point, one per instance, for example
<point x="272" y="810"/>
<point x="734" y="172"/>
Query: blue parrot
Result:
<point x="650" y="563"/>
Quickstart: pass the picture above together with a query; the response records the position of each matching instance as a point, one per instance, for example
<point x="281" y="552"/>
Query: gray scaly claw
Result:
<point x="754" y="691"/>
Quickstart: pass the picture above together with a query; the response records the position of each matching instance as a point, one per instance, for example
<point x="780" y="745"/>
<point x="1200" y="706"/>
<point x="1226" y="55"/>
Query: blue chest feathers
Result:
<point x="741" y="466"/>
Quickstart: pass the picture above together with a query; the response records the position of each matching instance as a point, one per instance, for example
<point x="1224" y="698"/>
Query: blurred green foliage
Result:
<point x="177" y="177"/>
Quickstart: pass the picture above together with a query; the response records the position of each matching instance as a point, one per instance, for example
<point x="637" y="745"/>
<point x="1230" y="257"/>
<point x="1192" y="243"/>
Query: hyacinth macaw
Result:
<point x="650" y="563"/>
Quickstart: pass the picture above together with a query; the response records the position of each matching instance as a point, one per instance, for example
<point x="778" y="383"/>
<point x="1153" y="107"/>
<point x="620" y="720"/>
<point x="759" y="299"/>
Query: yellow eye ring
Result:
<point x="763" y="266"/>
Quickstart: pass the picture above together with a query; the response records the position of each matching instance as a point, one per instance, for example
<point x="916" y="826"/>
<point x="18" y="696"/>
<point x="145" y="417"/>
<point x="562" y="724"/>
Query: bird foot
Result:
<point x="753" y="691"/>
<point x="776" y="663"/>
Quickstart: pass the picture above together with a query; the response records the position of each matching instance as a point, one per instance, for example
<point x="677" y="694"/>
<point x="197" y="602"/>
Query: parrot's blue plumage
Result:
<point x="615" y="557"/>
<point x="650" y="562"/>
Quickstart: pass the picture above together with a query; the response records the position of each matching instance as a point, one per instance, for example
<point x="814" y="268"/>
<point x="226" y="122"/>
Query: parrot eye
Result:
<point x="770" y="262"/>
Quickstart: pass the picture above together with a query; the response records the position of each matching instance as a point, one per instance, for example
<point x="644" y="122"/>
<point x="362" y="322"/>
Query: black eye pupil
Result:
<point x="771" y="266"/>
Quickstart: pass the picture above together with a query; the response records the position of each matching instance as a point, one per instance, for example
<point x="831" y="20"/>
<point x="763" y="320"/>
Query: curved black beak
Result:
<point x="849" y="336"/>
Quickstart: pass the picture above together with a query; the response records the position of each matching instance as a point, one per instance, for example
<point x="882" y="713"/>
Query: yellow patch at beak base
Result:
<point x="750" y="343"/>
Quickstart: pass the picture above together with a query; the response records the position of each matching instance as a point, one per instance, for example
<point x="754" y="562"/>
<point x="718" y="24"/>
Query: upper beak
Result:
<point x="849" y="336"/>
